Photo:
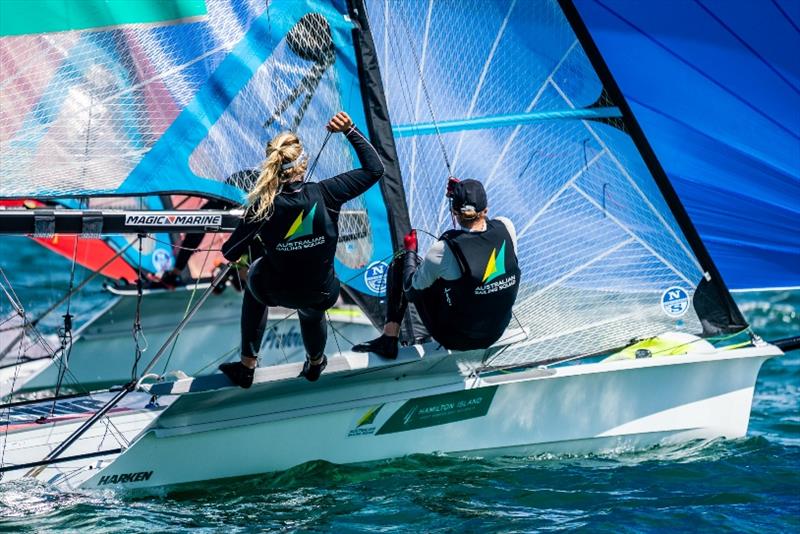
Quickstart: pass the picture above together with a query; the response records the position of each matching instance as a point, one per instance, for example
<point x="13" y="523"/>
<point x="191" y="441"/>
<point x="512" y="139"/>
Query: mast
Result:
<point x="716" y="319"/>
<point x="379" y="127"/>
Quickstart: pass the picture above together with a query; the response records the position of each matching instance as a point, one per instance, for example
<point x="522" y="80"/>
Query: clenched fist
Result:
<point x="341" y="122"/>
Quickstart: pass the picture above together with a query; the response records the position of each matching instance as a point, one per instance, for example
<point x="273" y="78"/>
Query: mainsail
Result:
<point x="505" y="92"/>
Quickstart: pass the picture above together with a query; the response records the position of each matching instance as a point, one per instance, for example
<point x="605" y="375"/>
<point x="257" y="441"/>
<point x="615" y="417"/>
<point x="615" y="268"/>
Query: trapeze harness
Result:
<point x="474" y="310"/>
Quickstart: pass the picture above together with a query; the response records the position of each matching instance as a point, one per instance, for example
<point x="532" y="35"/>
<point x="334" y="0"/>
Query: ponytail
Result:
<point x="283" y="149"/>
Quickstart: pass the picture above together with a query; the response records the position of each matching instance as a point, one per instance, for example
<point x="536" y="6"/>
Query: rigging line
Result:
<point x="137" y="323"/>
<point x="66" y="337"/>
<point x="188" y="307"/>
<point x="631" y="181"/>
<point x="335" y="337"/>
<point x="179" y="247"/>
<point x="131" y="386"/>
<point x="11" y="391"/>
<point x="482" y="78"/>
<point x="79" y="287"/>
<point x="421" y="85"/>
<point x="12" y="296"/>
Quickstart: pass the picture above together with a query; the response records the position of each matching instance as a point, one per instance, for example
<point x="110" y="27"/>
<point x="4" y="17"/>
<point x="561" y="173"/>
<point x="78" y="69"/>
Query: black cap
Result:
<point x="469" y="193"/>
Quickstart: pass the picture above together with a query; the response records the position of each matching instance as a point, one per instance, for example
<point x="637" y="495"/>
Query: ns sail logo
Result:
<point x="675" y="301"/>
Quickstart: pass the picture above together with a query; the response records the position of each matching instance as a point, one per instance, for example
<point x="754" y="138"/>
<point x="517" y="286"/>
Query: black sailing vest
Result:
<point x="473" y="311"/>
<point x="300" y="244"/>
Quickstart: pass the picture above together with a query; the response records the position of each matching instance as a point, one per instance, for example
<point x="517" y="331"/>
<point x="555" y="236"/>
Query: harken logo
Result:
<point x="496" y="266"/>
<point x="302" y="226"/>
<point x="125" y="478"/>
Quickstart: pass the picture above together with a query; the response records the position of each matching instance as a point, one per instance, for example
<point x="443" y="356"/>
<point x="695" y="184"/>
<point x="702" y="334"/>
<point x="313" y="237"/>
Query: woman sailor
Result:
<point x="297" y="224"/>
<point x="465" y="287"/>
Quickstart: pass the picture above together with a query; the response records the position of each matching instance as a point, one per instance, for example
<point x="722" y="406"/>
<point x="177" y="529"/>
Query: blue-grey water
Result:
<point x="744" y="485"/>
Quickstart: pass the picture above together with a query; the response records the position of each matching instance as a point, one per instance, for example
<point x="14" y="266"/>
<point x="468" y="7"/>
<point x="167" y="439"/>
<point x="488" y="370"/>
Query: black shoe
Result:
<point x="311" y="371"/>
<point x="238" y="373"/>
<point x="385" y="346"/>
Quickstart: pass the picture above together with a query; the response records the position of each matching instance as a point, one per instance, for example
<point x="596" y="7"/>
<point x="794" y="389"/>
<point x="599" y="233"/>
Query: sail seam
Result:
<point x="534" y="102"/>
<point x="632" y="234"/>
<point x="482" y="78"/>
<point x="582" y="267"/>
<point x="630" y="180"/>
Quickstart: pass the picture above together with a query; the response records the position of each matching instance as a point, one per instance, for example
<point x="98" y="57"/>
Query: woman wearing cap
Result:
<point x="465" y="287"/>
<point x="297" y="224"/>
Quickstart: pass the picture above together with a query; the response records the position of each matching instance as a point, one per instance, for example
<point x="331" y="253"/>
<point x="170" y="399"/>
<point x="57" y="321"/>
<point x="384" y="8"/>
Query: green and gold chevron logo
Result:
<point x="369" y="417"/>
<point x="302" y="226"/>
<point x="496" y="265"/>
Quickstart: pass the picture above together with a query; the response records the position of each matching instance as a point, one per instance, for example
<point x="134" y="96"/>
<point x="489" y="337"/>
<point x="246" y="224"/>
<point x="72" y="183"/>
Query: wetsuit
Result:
<point x="299" y="240"/>
<point x="465" y="288"/>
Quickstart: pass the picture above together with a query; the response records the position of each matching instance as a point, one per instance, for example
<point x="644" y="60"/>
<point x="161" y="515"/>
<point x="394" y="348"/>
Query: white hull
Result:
<point x="28" y="438"/>
<point x="432" y="405"/>
<point x="102" y="354"/>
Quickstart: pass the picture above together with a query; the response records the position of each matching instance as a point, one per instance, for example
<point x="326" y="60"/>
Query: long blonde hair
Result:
<point x="282" y="149"/>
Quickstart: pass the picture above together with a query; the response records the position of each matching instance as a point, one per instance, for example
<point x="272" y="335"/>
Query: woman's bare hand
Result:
<point x="341" y="122"/>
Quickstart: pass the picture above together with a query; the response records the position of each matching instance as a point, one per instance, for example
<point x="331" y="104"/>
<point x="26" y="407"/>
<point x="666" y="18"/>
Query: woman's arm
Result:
<point x="349" y="185"/>
<point x="240" y="239"/>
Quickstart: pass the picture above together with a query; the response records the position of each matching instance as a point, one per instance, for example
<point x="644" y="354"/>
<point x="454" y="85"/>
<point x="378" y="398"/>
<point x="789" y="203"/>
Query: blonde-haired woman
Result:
<point x="297" y="224"/>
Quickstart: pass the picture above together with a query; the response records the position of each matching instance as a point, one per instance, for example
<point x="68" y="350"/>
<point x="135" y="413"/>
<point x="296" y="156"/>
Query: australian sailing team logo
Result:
<point x="365" y="426"/>
<point x="495" y="268"/>
<point x="303" y="226"/>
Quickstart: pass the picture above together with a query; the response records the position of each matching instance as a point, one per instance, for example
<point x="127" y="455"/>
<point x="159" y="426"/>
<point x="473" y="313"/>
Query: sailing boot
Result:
<point x="311" y="371"/>
<point x="385" y="346"/>
<point x="238" y="373"/>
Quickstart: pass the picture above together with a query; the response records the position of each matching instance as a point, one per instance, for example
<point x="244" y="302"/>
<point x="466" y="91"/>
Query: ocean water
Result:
<point x="750" y="484"/>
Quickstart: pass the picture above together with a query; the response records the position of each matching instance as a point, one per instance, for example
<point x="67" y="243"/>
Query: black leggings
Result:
<point x="254" y="322"/>
<point x="311" y="308"/>
<point x="401" y="271"/>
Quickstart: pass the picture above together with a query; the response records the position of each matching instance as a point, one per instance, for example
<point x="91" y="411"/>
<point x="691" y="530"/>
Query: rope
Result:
<point x="136" y="331"/>
<point x="426" y="93"/>
<point x="66" y="334"/>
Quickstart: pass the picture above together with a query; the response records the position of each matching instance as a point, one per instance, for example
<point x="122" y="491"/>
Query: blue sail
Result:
<point x="183" y="106"/>
<point x="716" y="88"/>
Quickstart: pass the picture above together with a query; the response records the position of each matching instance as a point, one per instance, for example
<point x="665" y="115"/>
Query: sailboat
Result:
<point x="625" y="335"/>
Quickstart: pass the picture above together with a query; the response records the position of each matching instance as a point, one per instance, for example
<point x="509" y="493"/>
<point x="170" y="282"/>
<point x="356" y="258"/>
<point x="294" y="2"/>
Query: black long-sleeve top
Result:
<point x="334" y="191"/>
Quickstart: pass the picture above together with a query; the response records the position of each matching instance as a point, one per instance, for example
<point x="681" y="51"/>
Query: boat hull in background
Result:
<point x="432" y="405"/>
<point x="103" y="352"/>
